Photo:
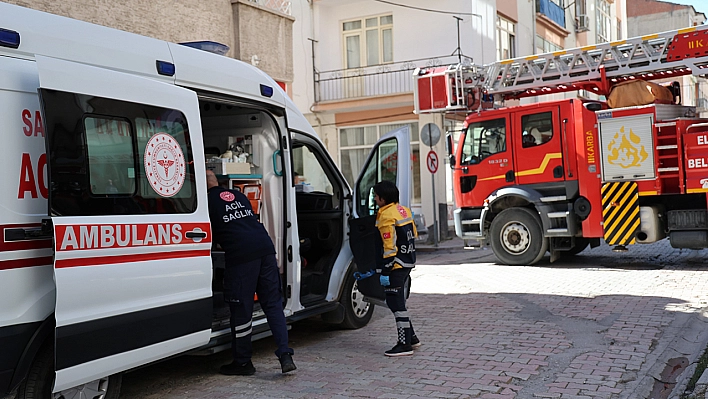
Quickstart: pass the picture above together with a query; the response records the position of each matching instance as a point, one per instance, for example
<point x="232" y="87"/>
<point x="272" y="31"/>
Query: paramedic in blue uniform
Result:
<point x="396" y="259"/>
<point x="251" y="268"/>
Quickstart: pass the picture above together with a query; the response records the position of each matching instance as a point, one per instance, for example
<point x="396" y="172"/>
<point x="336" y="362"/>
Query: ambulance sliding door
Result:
<point x="132" y="243"/>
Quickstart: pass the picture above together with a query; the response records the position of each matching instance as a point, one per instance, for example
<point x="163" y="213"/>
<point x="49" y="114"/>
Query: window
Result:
<point x="544" y="46"/>
<point x="109" y="143"/>
<point x="604" y="21"/>
<point x="506" y="38"/>
<point x="536" y="129"/>
<point x="483" y="139"/>
<point x="99" y="161"/>
<point x="356" y="142"/>
<point x="368" y="41"/>
<point x="309" y="174"/>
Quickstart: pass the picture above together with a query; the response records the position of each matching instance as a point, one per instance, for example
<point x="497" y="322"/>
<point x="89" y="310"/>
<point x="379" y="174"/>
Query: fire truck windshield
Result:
<point x="483" y="139"/>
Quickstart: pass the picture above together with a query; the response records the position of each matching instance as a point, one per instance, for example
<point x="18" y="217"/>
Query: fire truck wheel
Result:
<point x="40" y="380"/>
<point x="517" y="238"/>
<point x="357" y="312"/>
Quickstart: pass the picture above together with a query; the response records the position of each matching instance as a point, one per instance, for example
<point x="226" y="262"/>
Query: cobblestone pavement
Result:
<point x="599" y="325"/>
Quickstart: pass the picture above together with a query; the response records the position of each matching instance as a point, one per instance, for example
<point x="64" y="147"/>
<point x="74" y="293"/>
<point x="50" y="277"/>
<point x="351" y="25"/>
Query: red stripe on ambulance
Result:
<point x="107" y="260"/>
<point x="99" y="236"/>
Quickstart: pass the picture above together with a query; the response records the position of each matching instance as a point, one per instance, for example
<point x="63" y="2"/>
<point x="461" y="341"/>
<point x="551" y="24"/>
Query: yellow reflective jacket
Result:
<point x="397" y="234"/>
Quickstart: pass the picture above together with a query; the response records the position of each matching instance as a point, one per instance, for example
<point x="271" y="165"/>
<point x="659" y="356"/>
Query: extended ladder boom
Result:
<point x="594" y="68"/>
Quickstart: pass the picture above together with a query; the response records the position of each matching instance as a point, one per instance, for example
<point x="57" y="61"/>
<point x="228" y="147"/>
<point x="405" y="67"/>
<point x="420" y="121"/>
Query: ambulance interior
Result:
<point x="240" y="144"/>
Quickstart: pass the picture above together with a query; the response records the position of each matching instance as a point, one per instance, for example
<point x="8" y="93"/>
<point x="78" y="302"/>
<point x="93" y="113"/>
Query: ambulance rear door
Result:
<point x="132" y="240"/>
<point x="390" y="159"/>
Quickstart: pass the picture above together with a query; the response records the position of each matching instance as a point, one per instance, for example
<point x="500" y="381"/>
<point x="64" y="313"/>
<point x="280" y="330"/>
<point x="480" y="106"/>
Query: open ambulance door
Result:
<point x="390" y="159"/>
<point x="132" y="240"/>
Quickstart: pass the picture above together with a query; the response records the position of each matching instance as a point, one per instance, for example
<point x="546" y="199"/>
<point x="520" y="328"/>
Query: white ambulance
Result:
<point x="106" y="258"/>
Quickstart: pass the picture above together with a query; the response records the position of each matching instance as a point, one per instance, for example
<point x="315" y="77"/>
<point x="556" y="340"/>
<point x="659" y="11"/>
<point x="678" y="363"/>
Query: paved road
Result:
<point x="600" y="325"/>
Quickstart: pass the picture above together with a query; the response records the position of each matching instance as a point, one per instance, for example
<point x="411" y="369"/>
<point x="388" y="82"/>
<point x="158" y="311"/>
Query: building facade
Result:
<point x="354" y="61"/>
<point x="256" y="31"/>
<point x="649" y="16"/>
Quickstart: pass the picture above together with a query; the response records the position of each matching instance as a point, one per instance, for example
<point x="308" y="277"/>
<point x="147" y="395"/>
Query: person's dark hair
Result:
<point x="387" y="191"/>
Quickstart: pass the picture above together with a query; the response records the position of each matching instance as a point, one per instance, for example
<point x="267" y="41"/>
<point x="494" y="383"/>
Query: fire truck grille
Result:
<point x="620" y="210"/>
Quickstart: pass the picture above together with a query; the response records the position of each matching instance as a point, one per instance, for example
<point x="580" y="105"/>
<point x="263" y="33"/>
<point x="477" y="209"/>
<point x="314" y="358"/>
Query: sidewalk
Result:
<point x="453" y="243"/>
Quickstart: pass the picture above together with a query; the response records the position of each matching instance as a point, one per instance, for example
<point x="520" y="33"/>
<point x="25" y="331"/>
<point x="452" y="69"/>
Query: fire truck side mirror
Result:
<point x="449" y="148"/>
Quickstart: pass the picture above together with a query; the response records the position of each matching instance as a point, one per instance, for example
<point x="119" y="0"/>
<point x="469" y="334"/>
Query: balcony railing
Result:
<point x="375" y="80"/>
<point x="283" y="6"/>
<point x="552" y="10"/>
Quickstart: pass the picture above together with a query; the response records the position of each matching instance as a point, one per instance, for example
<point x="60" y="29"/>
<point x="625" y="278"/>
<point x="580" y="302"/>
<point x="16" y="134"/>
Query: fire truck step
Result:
<point x="562" y="214"/>
<point x="666" y="147"/>
<point x="672" y="169"/>
<point x="473" y="221"/>
<point x="556" y="232"/>
<point x="558" y="198"/>
<point x="665" y="124"/>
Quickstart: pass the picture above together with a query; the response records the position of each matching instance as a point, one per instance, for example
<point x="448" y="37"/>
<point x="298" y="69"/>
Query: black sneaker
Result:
<point x="286" y="363"/>
<point x="415" y="342"/>
<point x="234" y="368"/>
<point x="400" y="350"/>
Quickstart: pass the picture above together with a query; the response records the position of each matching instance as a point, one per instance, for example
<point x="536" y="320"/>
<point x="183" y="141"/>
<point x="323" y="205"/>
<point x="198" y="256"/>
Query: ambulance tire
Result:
<point x="40" y="380"/>
<point x="357" y="312"/>
<point x="517" y="237"/>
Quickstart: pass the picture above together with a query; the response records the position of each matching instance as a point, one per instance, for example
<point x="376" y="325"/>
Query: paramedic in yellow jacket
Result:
<point x="396" y="258"/>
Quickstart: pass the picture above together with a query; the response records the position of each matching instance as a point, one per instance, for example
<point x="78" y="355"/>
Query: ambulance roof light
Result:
<point x="212" y="47"/>
<point x="266" y="91"/>
<point x="165" y="68"/>
<point x="9" y="38"/>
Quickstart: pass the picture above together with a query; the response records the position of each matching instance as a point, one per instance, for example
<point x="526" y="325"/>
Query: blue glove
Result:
<point x="360" y="276"/>
<point x="385" y="281"/>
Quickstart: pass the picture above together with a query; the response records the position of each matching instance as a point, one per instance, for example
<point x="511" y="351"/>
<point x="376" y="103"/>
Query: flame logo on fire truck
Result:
<point x="626" y="150"/>
<point x="164" y="164"/>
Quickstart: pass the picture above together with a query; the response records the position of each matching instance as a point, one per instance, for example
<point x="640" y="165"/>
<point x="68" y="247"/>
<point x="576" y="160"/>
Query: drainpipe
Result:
<point x="314" y="69"/>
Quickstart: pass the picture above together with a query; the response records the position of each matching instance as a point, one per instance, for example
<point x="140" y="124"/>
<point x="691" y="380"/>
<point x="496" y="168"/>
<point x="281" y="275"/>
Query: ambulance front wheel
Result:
<point x="357" y="312"/>
<point x="517" y="237"/>
<point x="40" y="380"/>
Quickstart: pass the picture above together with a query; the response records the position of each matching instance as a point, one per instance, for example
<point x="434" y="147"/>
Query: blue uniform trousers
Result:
<point x="241" y="281"/>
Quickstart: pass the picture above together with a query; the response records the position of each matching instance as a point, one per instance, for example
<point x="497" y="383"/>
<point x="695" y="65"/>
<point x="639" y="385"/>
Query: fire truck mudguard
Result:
<point x="517" y="196"/>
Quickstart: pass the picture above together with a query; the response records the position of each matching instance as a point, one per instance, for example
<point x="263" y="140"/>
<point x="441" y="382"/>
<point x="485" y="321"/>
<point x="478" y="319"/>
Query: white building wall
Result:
<point x="416" y="34"/>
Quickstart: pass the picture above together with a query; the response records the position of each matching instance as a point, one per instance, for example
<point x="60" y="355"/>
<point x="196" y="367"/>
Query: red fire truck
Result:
<point x="558" y="176"/>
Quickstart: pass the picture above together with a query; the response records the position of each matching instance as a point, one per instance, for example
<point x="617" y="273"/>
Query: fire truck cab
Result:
<point x="107" y="260"/>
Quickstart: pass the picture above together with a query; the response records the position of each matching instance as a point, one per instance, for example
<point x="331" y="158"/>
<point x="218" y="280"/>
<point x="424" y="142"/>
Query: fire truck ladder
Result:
<point x="594" y="68"/>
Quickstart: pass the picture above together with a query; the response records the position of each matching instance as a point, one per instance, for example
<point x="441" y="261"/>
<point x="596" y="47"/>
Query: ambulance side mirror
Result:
<point x="449" y="147"/>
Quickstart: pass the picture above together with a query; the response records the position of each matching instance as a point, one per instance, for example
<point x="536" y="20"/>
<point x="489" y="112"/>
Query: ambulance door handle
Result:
<point x="194" y="234"/>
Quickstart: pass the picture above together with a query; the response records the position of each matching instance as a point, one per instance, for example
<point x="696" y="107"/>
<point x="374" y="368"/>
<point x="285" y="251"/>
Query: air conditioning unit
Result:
<point x="582" y="23"/>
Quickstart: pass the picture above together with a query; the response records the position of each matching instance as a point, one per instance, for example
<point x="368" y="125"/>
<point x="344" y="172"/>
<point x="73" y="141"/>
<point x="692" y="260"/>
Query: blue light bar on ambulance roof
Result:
<point x="9" y="38"/>
<point x="266" y="91"/>
<point x="212" y="47"/>
<point x="165" y="68"/>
